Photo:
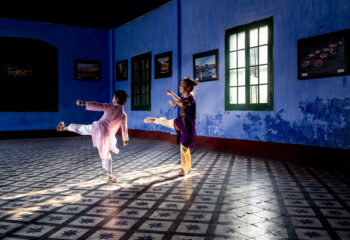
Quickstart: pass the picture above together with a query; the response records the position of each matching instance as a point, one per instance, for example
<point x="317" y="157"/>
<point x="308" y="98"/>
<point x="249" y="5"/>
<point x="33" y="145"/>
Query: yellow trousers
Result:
<point x="185" y="158"/>
<point x="185" y="151"/>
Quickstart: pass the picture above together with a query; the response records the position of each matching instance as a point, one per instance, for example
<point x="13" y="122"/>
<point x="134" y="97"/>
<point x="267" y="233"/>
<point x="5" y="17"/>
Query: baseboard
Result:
<point x="34" y="134"/>
<point x="296" y="152"/>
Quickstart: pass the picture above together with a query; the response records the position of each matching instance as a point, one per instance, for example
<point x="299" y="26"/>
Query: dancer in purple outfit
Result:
<point x="185" y="124"/>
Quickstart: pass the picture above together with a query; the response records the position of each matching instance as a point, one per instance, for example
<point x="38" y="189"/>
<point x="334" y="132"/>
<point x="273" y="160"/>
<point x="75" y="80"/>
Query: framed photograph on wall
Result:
<point x="324" y="55"/>
<point x="205" y="66"/>
<point x="163" y="65"/>
<point x="87" y="70"/>
<point x="122" y="70"/>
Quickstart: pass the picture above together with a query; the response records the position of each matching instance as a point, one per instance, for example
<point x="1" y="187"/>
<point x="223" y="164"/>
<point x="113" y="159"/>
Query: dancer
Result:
<point x="103" y="131"/>
<point x="185" y="124"/>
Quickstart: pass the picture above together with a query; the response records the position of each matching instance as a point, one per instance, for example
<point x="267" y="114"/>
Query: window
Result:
<point x="141" y="82"/>
<point x="28" y="75"/>
<point x="249" y="66"/>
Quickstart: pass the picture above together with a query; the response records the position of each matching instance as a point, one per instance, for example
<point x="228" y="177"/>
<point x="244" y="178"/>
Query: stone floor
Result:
<point x="55" y="188"/>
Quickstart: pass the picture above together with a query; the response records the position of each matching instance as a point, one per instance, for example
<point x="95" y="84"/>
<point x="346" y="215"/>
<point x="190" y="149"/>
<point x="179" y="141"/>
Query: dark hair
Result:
<point x="122" y="96"/>
<point x="191" y="83"/>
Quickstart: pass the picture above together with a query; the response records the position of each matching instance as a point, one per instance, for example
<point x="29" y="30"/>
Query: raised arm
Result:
<point x="170" y="92"/>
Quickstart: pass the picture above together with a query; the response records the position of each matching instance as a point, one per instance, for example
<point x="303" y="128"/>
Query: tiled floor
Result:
<point x="56" y="189"/>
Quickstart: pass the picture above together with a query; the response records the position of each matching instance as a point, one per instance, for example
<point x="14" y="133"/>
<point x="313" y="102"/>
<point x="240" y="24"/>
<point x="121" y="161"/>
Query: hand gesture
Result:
<point x="80" y="103"/>
<point x="169" y="92"/>
<point x="172" y="103"/>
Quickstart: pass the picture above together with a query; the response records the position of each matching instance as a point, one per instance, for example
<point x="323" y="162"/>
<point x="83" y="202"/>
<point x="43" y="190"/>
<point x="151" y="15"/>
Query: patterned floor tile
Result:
<point x="335" y="213"/>
<point x="113" y="202"/>
<point x="196" y="216"/>
<point x="306" y="222"/>
<point x="55" y="218"/>
<point x="312" y="234"/>
<point x="321" y="196"/>
<point x="340" y="223"/>
<point x="24" y="216"/>
<point x="162" y="226"/>
<point x="177" y="198"/>
<point x="227" y="196"/>
<point x="179" y="237"/>
<point x="206" y="199"/>
<point x="34" y="230"/>
<point x="327" y="204"/>
<point x="7" y="226"/>
<point x="87" y="200"/>
<point x="102" y="211"/>
<point x="142" y="204"/>
<point x="125" y="195"/>
<point x="146" y="236"/>
<point x="69" y="233"/>
<point x="172" y="205"/>
<point x="300" y="211"/>
<point x="164" y="215"/>
<point x="134" y="213"/>
<point x="87" y="221"/>
<point x="106" y="235"/>
<point x="120" y="223"/>
<point x="202" y="207"/>
<point x="71" y="209"/>
<point x="150" y="196"/>
<point x="192" y="228"/>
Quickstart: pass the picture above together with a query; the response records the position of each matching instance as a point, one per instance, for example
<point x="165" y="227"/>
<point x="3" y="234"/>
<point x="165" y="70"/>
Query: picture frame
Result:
<point x="205" y="66"/>
<point x="121" y="70"/>
<point x="87" y="70"/>
<point x="163" y="65"/>
<point x="324" y="55"/>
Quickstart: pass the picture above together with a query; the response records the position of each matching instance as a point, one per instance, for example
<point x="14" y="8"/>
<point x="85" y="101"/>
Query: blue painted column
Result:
<point x="179" y="47"/>
<point x="111" y="63"/>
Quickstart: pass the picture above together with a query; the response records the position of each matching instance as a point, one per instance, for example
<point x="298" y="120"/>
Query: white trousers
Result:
<point x="80" y="129"/>
<point x="87" y="130"/>
<point x="165" y="122"/>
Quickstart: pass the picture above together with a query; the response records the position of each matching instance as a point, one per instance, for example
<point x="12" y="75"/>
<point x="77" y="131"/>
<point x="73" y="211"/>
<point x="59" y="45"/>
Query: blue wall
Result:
<point x="312" y="112"/>
<point x="72" y="43"/>
<point x="155" y="32"/>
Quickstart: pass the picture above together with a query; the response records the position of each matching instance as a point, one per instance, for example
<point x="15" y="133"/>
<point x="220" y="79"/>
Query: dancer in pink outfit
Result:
<point x="103" y="131"/>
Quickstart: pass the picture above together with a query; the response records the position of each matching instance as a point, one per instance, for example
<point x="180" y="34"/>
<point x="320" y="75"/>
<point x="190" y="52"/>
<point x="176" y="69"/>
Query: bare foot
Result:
<point x="112" y="179"/>
<point x="60" y="127"/>
<point x="149" y="120"/>
<point x="183" y="173"/>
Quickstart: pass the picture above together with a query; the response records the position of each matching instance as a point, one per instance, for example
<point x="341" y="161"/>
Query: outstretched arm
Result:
<point x="170" y="92"/>
<point x="93" y="106"/>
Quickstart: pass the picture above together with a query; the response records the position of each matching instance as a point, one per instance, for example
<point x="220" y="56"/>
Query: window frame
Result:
<point x="133" y="59"/>
<point x="246" y="28"/>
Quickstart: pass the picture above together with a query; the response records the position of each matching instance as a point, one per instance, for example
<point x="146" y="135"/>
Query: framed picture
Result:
<point x="87" y="70"/>
<point x="324" y="55"/>
<point x="163" y="65"/>
<point x="205" y="66"/>
<point x="122" y="70"/>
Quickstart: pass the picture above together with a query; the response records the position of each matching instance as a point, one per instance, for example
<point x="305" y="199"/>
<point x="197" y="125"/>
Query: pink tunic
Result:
<point x="105" y="129"/>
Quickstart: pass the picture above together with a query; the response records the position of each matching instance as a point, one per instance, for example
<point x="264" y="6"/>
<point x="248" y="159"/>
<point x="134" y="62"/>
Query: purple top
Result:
<point x="187" y="128"/>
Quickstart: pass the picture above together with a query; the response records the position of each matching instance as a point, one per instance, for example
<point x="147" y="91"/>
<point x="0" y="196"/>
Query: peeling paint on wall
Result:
<point x="210" y="125"/>
<point x="325" y="123"/>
